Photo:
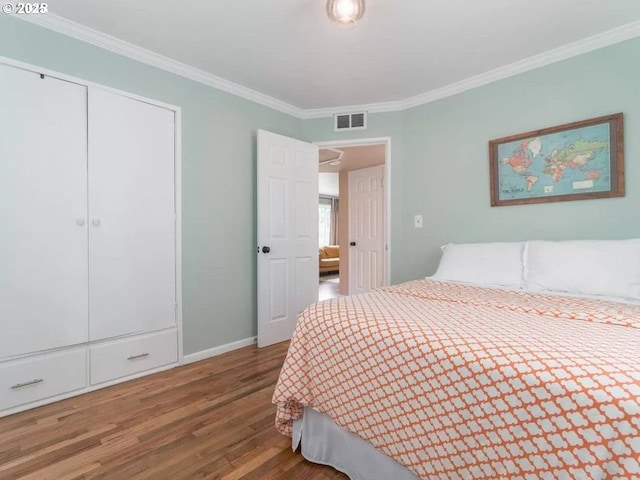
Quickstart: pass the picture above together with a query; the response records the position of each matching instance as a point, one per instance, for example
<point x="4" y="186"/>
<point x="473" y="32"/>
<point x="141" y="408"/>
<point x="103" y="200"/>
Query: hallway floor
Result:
<point x="329" y="287"/>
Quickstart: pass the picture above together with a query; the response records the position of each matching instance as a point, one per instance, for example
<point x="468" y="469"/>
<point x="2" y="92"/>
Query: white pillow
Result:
<point x="588" y="267"/>
<point x="482" y="263"/>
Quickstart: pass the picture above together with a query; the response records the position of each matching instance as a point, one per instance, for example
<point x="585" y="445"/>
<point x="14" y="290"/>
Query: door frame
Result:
<point x="177" y="111"/>
<point x="362" y="142"/>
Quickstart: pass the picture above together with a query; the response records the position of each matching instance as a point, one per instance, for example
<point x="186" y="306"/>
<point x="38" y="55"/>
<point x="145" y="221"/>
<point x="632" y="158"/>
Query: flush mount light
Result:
<point x="345" y="13"/>
<point x="335" y="161"/>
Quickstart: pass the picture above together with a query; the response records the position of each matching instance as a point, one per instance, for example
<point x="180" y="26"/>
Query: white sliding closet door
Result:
<point x="43" y="210"/>
<point x="131" y="216"/>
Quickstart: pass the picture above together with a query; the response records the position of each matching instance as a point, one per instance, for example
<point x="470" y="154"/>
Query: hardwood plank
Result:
<point x="208" y="420"/>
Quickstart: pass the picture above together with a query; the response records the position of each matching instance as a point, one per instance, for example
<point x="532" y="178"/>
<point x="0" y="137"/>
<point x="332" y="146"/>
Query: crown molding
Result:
<point x="94" y="37"/>
<point x="589" y="44"/>
<point x="113" y="44"/>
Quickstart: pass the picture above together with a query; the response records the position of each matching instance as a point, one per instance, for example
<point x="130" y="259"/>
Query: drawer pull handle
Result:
<point x="135" y="357"/>
<point x="26" y="384"/>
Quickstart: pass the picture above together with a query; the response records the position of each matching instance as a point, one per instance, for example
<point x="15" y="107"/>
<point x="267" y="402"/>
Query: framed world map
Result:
<point x="575" y="161"/>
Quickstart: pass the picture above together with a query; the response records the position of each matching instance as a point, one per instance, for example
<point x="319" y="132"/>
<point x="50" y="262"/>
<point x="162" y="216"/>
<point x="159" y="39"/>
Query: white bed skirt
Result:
<point x="326" y="443"/>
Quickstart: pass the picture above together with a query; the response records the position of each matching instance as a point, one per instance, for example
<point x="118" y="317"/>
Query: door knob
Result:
<point x="95" y="222"/>
<point x="80" y="222"/>
<point x="353" y="244"/>
<point x="266" y="249"/>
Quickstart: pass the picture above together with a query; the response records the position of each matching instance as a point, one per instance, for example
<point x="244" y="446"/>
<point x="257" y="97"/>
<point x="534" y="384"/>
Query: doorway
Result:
<point x="328" y="227"/>
<point x="340" y="162"/>
<point x="287" y="229"/>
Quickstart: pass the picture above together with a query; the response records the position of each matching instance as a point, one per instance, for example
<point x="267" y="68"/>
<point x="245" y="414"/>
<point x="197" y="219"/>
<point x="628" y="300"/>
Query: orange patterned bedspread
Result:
<point x="461" y="382"/>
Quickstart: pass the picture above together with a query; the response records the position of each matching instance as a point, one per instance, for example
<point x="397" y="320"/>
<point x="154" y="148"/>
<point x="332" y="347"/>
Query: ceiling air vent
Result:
<point x="350" y="121"/>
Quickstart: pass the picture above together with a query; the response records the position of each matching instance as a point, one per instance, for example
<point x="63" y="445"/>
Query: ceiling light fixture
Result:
<point x="335" y="161"/>
<point x="345" y="13"/>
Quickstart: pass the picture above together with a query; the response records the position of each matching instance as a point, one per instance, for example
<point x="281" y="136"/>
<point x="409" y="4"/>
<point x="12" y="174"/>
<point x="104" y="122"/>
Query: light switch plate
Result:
<point x="417" y="221"/>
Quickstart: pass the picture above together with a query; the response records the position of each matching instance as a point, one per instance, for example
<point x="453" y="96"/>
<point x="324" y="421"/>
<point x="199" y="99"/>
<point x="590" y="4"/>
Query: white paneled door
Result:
<point x="43" y="212"/>
<point x="366" y="229"/>
<point x="131" y="216"/>
<point x="287" y="234"/>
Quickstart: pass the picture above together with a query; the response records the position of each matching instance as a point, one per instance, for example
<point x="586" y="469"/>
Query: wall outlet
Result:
<point x="417" y="221"/>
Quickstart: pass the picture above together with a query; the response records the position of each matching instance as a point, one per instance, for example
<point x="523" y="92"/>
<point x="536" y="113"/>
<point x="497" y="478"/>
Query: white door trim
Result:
<point x="178" y="230"/>
<point x="178" y="168"/>
<point x="361" y="142"/>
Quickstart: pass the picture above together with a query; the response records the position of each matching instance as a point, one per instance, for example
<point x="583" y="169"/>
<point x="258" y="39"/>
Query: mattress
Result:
<point x="460" y="382"/>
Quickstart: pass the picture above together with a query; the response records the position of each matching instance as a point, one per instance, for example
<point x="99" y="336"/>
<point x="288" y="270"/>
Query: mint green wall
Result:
<point x="218" y="160"/>
<point x="440" y="158"/>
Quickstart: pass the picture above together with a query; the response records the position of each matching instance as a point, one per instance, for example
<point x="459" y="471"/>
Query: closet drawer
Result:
<point x="36" y="378"/>
<point x="132" y="355"/>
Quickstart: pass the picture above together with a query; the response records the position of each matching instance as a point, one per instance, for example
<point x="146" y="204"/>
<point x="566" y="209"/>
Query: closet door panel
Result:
<point x="131" y="216"/>
<point x="43" y="210"/>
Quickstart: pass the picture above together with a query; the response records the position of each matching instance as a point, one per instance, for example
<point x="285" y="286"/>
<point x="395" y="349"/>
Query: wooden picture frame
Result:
<point x="574" y="161"/>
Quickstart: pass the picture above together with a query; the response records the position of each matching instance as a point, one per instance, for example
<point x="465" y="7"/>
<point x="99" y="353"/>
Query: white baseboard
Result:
<point x="215" y="351"/>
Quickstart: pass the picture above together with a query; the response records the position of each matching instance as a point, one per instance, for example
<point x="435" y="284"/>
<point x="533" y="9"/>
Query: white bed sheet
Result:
<point x="604" y="298"/>
<point x="326" y="443"/>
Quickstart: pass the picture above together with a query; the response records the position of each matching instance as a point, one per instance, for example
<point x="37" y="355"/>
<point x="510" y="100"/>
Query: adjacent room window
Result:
<point x="324" y="219"/>
<point x="327" y="221"/>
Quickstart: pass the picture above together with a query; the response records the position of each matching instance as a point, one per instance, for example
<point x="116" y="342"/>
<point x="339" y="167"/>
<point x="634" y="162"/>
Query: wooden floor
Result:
<point x="208" y="420"/>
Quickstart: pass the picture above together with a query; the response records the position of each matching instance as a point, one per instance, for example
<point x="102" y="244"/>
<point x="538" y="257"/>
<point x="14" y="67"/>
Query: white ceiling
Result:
<point x="287" y="49"/>
<point x="328" y="184"/>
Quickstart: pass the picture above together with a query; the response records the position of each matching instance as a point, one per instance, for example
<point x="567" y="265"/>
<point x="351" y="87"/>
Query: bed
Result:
<point x="442" y="379"/>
